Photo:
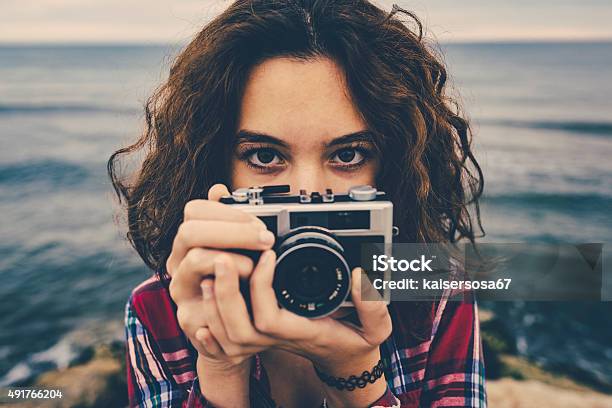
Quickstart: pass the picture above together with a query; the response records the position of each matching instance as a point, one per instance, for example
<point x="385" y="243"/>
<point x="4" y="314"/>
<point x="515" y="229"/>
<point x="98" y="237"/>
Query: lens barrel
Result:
<point x="312" y="277"/>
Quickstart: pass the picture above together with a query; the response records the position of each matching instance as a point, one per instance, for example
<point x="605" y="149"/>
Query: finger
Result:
<point x="189" y="316"/>
<point x="373" y="314"/>
<point x="217" y="191"/>
<point x="217" y="234"/>
<point x="197" y="265"/>
<point x="215" y="324"/>
<point x="208" y="341"/>
<point x="232" y="307"/>
<point x="365" y="289"/>
<point x="209" y="306"/>
<point x="212" y="210"/>
<point x="268" y="316"/>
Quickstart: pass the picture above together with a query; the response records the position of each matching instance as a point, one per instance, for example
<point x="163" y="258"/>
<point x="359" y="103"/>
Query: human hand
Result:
<point x="335" y="346"/>
<point x="212" y="313"/>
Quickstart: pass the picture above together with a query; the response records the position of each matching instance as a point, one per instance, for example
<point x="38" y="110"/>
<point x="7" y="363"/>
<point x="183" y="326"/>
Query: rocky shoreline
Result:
<point x="97" y="379"/>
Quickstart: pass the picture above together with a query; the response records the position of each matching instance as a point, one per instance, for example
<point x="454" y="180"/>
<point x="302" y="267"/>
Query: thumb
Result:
<point x="371" y="308"/>
<point x="362" y="289"/>
<point x="217" y="191"/>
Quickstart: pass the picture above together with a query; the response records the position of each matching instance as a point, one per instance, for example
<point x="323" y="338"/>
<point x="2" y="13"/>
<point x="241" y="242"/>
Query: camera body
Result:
<point x="319" y="239"/>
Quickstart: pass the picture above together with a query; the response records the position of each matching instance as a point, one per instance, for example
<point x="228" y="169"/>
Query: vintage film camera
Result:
<point x="319" y="239"/>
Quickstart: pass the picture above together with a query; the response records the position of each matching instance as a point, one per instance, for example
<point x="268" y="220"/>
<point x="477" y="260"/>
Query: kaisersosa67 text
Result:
<point x="442" y="284"/>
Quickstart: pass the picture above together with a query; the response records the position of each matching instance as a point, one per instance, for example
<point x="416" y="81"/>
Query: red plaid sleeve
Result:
<point x="454" y="374"/>
<point x="160" y="369"/>
<point x="444" y="369"/>
<point x="387" y="400"/>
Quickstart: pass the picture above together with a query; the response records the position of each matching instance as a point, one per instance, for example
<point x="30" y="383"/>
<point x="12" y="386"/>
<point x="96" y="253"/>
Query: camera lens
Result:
<point x="312" y="277"/>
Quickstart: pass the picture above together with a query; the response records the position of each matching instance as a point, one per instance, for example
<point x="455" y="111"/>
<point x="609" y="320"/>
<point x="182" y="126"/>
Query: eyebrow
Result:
<point x="247" y="136"/>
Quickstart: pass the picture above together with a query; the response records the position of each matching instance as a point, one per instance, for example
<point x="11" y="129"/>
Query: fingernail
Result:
<point x="265" y="257"/>
<point x="207" y="289"/>
<point x="266" y="237"/>
<point x="259" y="224"/>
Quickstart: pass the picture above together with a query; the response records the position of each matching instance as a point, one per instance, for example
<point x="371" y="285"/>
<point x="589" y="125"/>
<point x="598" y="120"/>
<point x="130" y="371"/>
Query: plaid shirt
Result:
<point x="443" y="368"/>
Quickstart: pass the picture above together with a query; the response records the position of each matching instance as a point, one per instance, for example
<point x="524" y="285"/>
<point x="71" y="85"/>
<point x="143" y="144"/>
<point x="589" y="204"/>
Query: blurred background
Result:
<point x="534" y="76"/>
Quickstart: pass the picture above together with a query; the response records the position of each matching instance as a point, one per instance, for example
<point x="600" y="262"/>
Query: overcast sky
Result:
<point x="151" y="21"/>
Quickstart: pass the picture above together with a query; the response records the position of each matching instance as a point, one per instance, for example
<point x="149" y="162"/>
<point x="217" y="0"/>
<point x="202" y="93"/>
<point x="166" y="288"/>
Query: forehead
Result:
<point x="296" y="100"/>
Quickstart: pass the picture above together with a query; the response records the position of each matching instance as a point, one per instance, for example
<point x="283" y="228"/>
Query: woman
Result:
<point x="314" y="94"/>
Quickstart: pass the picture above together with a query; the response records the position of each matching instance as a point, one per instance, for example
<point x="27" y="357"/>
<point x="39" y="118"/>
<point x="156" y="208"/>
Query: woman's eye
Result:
<point x="348" y="157"/>
<point x="264" y="158"/>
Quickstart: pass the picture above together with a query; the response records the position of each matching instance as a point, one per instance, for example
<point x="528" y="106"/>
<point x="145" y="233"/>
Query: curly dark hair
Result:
<point x="396" y="80"/>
